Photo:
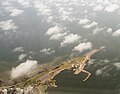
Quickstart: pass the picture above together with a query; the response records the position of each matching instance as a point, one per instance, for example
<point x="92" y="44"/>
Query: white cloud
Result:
<point x="57" y="36"/>
<point x="47" y="51"/>
<point x="5" y="3"/>
<point x="98" y="8"/>
<point x="93" y="24"/>
<point x="109" y="30"/>
<point x="18" y="49"/>
<point x="69" y="39"/>
<point x="21" y="57"/>
<point x="49" y="19"/>
<point x="90" y="62"/>
<point x="116" y="33"/>
<point x="42" y="8"/>
<point x="23" y="69"/>
<point x="24" y="3"/>
<point x="84" y="21"/>
<point x="99" y="72"/>
<point x="117" y="65"/>
<point x="8" y="25"/>
<point x="65" y="14"/>
<point x="104" y="71"/>
<point x="83" y="47"/>
<point x="106" y="61"/>
<point x="16" y="12"/>
<point x="118" y="24"/>
<point x="112" y="8"/>
<point x="97" y="30"/>
<point x="54" y="30"/>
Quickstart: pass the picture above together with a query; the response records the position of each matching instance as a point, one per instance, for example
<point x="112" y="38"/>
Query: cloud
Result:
<point x="69" y="39"/>
<point x="42" y="8"/>
<point x="49" y="19"/>
<point x="97" y="30"/>
<point x="24" y="3"/>
<point x="65" y="14"/>
<point x="116" y="33"/>
<point x="83" y="47"/>
<point x="57" y="36"/>
<point x="47" y="51"/>
<point x="112" y="8"/>
<point x="23" y="69"/>
<point x="56" y="32"/>
<point x="106" y="61"/>
<point x="21" y="57"/>
<point x="16" y="12"/>
<point x="18" y="49"/>
<point x="5" y="3"/>
<point x="84" y="21"/>
<point x="8" y="25"/>
<point x="99" y="72"/>
<point x="104" y="71"/>
<point x="117" y="65"/>
<point x="91" y="62"/>
<point x="98" y="8"/>
<point x="109" y="30"/>
<point x="93" y="24"/>
<point x="87" y="23"/>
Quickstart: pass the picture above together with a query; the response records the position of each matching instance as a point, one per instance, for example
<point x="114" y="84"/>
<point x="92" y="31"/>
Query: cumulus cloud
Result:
<point x="47" y="51"/>
<point x="56" y="32"/>
<point x="16" y="12"/>
<point x="106" y="61"/>
<point x="23" y="69"/>
<point x="116" y="33"/>
<point x="57" y="36"/>
<point x="99" y="72"/>
<point x="109" y="30"/>
<point x="83" y="47"/>
<point x="21" y="57"/>
<point x="104" y="71"/>
<point x="49" y="19"/>
<point x="24" y="3"/>
<point x="117" y="65"/>
<point x="97" y="30"/>
<point x="18" y="49"/>
<point x="91" y="62"/>
<point x="65" y="14"/>
<point x="69" y="39"/>
<point x="112" y="8"/>
<point x="87" y="23"/>
<point x="8" y="25"/>
<point x="93" y="24"/>
<point x="5" y="3"/>
<point x="42" y="8"/>
<point x="84" y="21"/>
<point x="98" y="8"/>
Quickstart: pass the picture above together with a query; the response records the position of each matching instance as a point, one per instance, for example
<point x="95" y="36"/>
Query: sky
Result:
<point x="44" y="30"/>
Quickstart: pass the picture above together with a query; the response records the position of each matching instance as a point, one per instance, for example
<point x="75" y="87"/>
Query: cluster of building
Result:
<point x="28" y="90"/>
<point x="11" y="91"/>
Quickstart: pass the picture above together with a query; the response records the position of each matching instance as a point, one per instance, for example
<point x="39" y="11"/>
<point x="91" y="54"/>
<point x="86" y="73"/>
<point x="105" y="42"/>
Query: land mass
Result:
<point x="42" y="79"/>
